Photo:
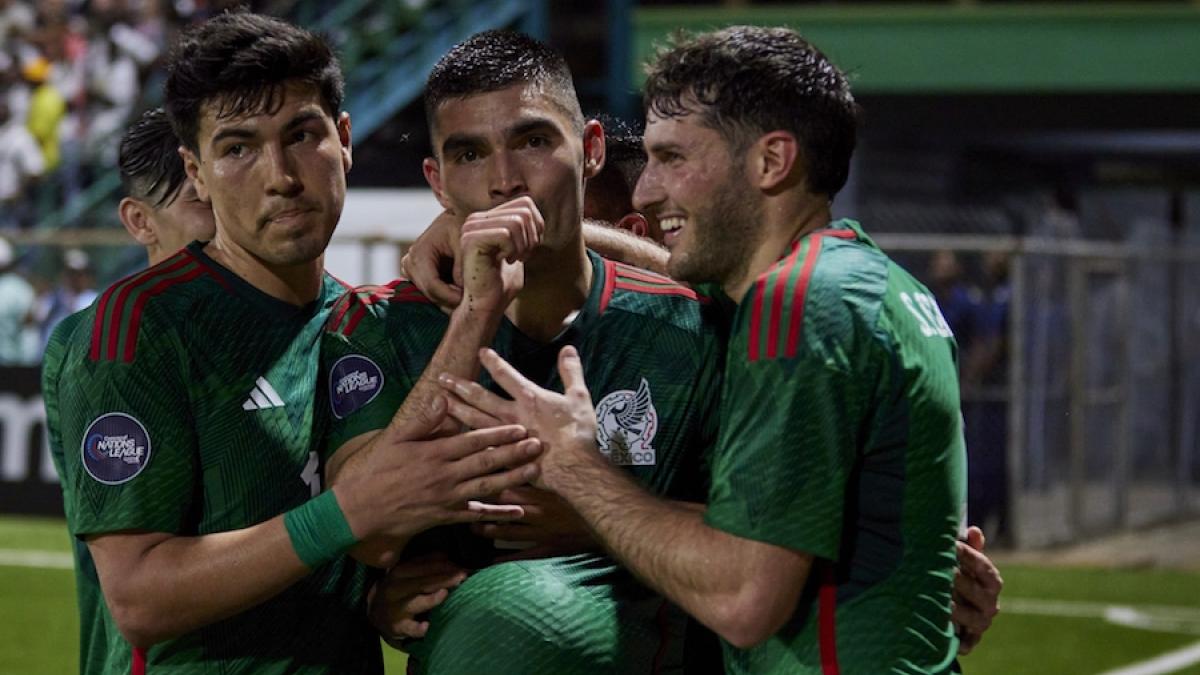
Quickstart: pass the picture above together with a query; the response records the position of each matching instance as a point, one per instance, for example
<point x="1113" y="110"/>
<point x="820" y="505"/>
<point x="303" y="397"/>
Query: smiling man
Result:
<point x="183" y="409"/>
<point x="828" y="541"/>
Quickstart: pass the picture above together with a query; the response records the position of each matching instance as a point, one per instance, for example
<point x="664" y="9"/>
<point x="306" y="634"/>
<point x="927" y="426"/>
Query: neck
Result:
<point x="297" y="284"/>
<point x="557" y="283"/>
<point x="784" y="223"/>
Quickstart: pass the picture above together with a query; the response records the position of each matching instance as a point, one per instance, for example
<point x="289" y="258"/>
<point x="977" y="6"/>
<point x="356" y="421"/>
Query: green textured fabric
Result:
<point x="841" y="436"/>
<point x="184" y="401"/>
<point x="318" y="530"/>
<point x="651" y="356"/>
<point x="578" y="614"/>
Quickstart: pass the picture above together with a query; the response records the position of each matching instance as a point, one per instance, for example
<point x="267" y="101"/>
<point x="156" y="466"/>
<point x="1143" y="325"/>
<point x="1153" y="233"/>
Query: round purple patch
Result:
<point x="354" y="381"/>
<point x="115" y="448"/>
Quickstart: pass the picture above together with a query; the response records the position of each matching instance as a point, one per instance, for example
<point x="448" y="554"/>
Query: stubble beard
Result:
<point x="724" y="237"/>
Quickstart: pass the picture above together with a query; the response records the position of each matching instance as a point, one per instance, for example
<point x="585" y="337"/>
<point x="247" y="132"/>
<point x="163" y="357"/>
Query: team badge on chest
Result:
<point x="627" y="425"/>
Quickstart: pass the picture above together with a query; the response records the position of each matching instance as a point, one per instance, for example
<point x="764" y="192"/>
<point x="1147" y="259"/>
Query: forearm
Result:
<point x="664" y="543"/>
<point x="624" y="247"/>
<point x="181" y="584"/>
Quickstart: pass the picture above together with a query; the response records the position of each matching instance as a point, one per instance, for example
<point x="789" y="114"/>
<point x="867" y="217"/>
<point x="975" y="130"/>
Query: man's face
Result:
<point x="695" y="185"/>
<point x="276" y="181"/>
<point x="185" y="219"/>
<point x="497" y="146"/>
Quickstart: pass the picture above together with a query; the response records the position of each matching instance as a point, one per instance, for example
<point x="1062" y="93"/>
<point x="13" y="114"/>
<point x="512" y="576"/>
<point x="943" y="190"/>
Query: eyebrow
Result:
<point x="663" y="146"/>
<point x="300" y="119"/>
<point x="520" y="128"/>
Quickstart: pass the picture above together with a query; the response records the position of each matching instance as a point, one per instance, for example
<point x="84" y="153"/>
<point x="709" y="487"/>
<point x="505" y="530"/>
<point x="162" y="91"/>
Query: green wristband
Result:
<point x="318" y="530"/>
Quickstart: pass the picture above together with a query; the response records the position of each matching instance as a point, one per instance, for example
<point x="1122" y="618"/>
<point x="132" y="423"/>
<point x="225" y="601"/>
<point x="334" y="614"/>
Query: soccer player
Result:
<point x="511" y="146"/>
<point x="828" y="541"/>
<point x="182" y="406"/>
<point x="161" y="209"/>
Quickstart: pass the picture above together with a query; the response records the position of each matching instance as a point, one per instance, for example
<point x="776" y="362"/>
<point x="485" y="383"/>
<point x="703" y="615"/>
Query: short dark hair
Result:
<point x="610" y="192"/>
<point x="240" y="61"/>
<point x="151" y="168"/>
<point x="495" y="60"/>
<point x="750" y="80"/>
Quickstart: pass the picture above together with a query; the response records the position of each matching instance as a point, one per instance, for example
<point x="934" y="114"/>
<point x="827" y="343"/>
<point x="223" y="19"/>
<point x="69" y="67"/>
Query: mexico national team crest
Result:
<point x="354" y="381"/>
<point x="115" y="449"/>
<point x="628" y="423"/>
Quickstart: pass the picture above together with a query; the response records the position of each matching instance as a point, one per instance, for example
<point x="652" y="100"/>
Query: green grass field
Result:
<point x="1054" y="620"/>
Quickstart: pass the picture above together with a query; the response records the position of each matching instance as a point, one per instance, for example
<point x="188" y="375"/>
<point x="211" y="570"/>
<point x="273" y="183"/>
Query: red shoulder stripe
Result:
<point x="135" y="318"/>
<point x="102" y="305"/>
<point x="760" y="289"/>
<point x="775" y="316"/>
<point x="839" y="234"/>
<point x="610" y="280"/>
<point x="799" y="296"/>
<point x="110" y="328"/>
<point x="211" y="272"/>
<point x="629" y="272"/>
<point x="678" y="291"/>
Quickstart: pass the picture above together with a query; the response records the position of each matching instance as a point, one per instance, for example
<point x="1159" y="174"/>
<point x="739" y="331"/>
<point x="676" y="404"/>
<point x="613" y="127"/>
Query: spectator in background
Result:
<point x="17" y="19"/>
<point x="16" y="299"/>
<point x="952" y="295"/>
<point x="985" y="409"/>
<point x="20" y="159"/>
<point x="46" y="109"/>
<point x="76" y="291"/>
<point x="162" y="210"/>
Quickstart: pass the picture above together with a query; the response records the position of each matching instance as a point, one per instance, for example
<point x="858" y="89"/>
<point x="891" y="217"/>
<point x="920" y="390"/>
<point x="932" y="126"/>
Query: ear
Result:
<point x="191" y="165"/>
<point x="775" y="162"/>
<point x="136" y="219"/>
<point x="343" y="128"/>
<point x="433" y="176"/>
<point x="635" y="223"/>
<point x="593" y="148"/>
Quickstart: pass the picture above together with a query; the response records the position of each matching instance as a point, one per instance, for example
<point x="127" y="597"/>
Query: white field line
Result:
<point x="1163" y="663"/>
<point x="43" y="559"/>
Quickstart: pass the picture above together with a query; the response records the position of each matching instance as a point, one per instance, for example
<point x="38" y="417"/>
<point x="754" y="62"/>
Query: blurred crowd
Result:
<point x="73" y="73"/>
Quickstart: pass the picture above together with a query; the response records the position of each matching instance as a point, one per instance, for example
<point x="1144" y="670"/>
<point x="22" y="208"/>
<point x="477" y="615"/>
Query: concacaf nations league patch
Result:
<point x="115" y="448"/>
<point x="354" y="382"/>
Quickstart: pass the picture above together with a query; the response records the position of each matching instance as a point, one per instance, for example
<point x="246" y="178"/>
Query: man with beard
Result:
<point x="182" y="409"/>
<point x="828" y="540"/>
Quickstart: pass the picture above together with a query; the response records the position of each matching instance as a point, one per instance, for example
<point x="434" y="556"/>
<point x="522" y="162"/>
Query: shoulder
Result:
<point x="821" y="295"/>
<point x="157" y="297"/>
<point x="653" y="297"/>
<point x="376" y="303"/>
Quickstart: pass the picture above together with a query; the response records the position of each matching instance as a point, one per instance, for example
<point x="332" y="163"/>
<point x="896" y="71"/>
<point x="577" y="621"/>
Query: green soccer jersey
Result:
<point x="652" y="359"/>
<point x="841" y="436"/>
<point x="185" y="401"/>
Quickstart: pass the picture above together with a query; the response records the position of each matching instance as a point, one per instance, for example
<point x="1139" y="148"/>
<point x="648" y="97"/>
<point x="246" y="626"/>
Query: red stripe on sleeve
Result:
<point x="138" y="666"/>
<point x="114" y="325"/>
<point x="827" y="628"/>
<point x="135" y="319"/>
<point x="643" y="275"/>
<point x="354" y="319"/>
<point x="760" y="288"/>
<point x="610" y="280"/>
<point x="657" y="290"/>
<point x="799" y="295"/>
<point x="776" y="315"/>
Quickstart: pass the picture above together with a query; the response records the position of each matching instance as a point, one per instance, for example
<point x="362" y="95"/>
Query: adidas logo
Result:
<point x="262" y="396"/>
